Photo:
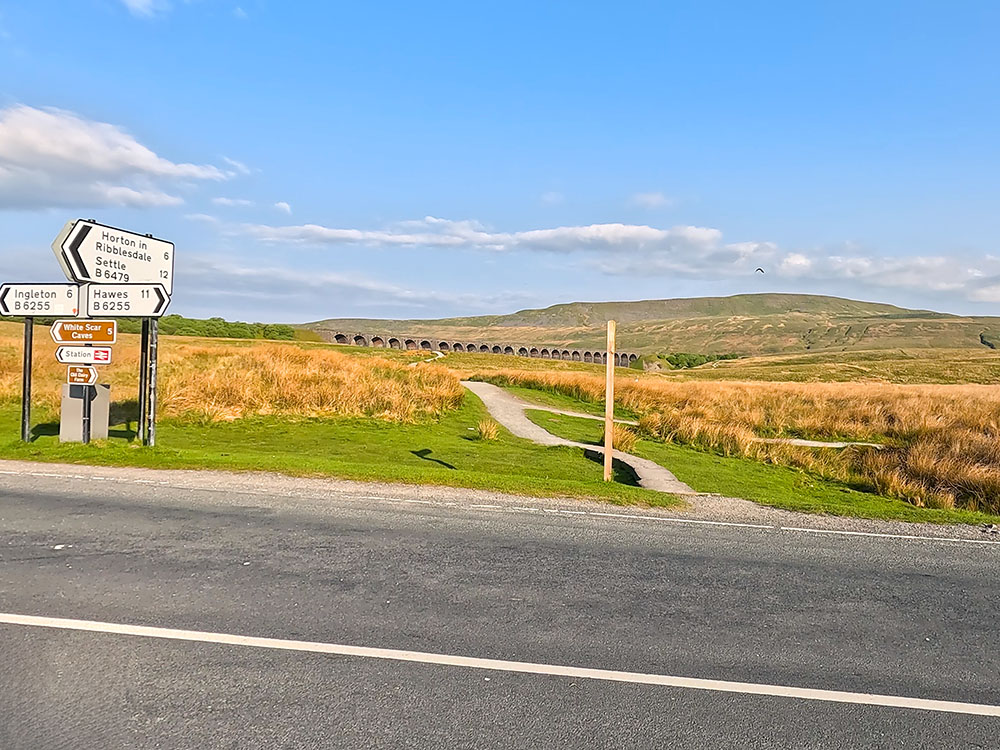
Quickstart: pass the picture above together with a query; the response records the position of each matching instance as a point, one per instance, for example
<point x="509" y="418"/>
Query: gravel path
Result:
<point x="508" y="410"/>
<point x="784" y="441"/>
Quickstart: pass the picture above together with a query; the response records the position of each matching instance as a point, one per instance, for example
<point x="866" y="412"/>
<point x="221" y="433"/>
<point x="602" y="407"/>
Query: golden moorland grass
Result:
<point x="942" y="441"/>
<point x="222" y="379"/>
<point x="622" y="438"/>
<point x="487" y="429"/>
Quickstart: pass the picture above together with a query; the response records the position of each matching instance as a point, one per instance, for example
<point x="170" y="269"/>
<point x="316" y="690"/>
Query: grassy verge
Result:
<point x="443" y="452"/>
<point x="567" y="403"/>
<point x="776" y="486"/>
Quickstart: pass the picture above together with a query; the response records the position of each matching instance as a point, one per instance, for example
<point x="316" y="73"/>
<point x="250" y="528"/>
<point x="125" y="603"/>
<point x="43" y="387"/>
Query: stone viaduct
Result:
<point x="622" y="359"/>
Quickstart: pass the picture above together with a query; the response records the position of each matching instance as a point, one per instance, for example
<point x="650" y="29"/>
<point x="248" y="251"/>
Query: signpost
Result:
<point x="84" y="355"/>
<point x="81" y="375"/>
<point x="39" y="299"/>
<point x="29" y="338"/>
<point x="114" y="273"/>
<point x="127" y="300"/>
<point x="85" y="331"/>
<point x="92" y="252"/>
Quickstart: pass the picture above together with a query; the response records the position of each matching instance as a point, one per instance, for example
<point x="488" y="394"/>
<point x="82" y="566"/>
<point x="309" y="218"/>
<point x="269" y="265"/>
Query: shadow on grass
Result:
<point x="621" y="472"/>
<point x="122" y="414"/>
<point x="424" y="453"/>
<point x="45" y="429"/>
<point x="51" y="429"/>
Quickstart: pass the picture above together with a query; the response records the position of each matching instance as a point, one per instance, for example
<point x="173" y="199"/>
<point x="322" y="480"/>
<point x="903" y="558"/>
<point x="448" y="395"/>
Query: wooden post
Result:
<point x="609" y="403"/>
<point x="29" y="328"/>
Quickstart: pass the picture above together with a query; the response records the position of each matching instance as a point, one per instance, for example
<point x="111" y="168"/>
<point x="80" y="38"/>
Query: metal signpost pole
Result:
<point x="125" y="274"/>
<point x="140" y="427"/>
<point x="86" y="411"/>
<point x="29" y="338"/>
<point x="153" y="334"/>
<point x="609" y="403"/>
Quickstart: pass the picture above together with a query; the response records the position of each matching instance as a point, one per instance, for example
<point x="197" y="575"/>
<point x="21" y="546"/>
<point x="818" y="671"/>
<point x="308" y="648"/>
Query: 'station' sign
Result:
<point x="125" y="300"/>
<point x="81" y="375"/>
<point x="115" y="274"/>
<point x="85" y="331"/>
<point x="84" y="355"/>
<point x="39" y="299"/>
<point x="92" y="252"/>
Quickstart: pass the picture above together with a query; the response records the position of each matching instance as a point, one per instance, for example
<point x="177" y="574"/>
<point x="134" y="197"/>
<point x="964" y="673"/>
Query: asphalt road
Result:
<point x="886" y="616"/>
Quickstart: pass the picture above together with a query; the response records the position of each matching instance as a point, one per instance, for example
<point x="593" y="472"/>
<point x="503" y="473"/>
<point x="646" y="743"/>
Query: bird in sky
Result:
<point x="759" y="270"/>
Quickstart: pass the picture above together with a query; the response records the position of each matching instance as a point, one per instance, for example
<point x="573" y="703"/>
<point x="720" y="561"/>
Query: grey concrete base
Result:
<point x="71" y="414"/>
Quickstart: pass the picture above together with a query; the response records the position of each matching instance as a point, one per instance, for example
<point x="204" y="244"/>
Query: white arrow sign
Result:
<point x="84" y="355"/>
<point x="81" y="375"/>
<point x="126" y="300"/>
<point x="40" y="299"/>
<point x="92" y="252"/>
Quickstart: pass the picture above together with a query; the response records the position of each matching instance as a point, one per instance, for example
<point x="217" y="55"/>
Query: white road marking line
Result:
<point x="523" y="509"/>
<point x="890" y="536"/>
<point x="673" y="519"/>
<point x="501" y="665"/>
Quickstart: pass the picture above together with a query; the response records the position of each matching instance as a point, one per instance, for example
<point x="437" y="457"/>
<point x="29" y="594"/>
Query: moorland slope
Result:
<point x="745" y="324"/>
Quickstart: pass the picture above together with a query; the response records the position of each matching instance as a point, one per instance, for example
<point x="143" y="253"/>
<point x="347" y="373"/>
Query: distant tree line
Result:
<point x="178" y="325"/>
<point x="683" y="359"/>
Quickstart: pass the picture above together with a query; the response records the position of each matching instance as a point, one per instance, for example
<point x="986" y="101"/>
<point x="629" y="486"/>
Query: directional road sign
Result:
<point x="81" y="375"/>
<point x="127" y="300"/>
<point x="39" y="299"/>
<point x="84" y="355"/>
<point x="92" y="252"/>
<point x="85" y="331"/>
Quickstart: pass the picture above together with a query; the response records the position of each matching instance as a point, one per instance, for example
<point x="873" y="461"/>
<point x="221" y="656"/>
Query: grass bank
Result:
<point x="443" y="451"/>
<point x="943" y="441"/>
<point x="229" y="379"/>
<point x="776" y="486"/>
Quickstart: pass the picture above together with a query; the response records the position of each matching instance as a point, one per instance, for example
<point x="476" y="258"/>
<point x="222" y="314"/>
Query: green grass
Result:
<point x="566" y="403"/>
<point x="904" y="366"/>
<point x="776" y="486"/>
<point x="477" y="362"/>
<point x="445" y="452"/>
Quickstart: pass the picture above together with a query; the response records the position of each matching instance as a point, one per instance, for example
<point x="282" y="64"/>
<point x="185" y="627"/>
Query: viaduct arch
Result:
<point x="385" y="341"/>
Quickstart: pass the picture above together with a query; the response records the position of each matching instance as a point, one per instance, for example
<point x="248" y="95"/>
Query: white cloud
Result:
<point x="552" y="197"/>
<point x="795" y="263"/>
<point x="51" y="157"/>
<point x="283" y="207"/>
<point x="239" y="13"/>
<point x="684" y="251"/>
<point x="237" y="167"/>
<point x="302" y="295"/>
<point x="145" y="8"/>
<point x="650" y="200"/>
<point x="202" y="219"/>
<point x="434" y="232"/>
<point x="231" y="202"/>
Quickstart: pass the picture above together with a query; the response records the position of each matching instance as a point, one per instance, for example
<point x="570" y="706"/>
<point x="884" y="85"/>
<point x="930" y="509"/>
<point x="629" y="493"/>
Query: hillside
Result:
<point x="742" y="324"/>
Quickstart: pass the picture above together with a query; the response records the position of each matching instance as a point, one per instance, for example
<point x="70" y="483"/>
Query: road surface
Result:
<point x="569" y="597"/>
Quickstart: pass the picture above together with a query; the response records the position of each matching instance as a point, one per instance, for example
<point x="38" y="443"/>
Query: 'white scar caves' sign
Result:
<point x="92" y="252"/>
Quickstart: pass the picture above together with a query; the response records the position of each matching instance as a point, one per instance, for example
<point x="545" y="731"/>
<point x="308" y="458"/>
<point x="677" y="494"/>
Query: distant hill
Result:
<point x="741" y="324"/>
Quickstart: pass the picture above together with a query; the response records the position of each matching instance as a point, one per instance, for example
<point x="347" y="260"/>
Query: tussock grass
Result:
<point x="220" y="380"/>
<point x="487" y="429"/>
<point x="623" y="439"/>
<point x="943" y="441"/>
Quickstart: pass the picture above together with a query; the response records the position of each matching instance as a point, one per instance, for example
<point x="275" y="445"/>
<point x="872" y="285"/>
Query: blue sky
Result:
<point x="323" y="159"/>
